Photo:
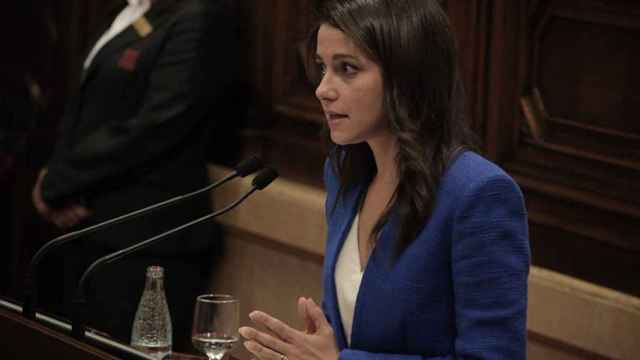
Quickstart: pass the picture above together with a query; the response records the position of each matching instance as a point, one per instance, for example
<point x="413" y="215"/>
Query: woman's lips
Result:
<point x="335" y="118"/>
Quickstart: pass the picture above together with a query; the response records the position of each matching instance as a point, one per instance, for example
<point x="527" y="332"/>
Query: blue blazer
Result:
<point x="459" y="291"/>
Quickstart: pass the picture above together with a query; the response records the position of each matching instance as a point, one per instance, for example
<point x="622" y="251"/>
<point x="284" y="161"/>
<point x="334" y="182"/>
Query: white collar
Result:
<point x="139" y="3"/>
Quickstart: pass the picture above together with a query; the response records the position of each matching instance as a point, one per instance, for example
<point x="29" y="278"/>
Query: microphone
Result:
<point x="261" y="180"/>
<point x="243" y="169"/>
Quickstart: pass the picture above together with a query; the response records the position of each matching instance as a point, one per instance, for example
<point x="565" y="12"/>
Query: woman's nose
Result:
<point x="325" y="90"/>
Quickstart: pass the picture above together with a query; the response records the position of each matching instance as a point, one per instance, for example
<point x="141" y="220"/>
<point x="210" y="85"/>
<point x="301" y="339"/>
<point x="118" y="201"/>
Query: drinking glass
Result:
<point x="215" y="324"/>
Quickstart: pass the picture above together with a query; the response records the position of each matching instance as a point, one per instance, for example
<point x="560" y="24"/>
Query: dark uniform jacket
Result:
<point x="135" y="131"/>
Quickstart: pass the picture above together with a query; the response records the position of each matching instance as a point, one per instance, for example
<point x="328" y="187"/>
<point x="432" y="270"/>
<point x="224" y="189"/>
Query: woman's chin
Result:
<point x="340" y="140"/>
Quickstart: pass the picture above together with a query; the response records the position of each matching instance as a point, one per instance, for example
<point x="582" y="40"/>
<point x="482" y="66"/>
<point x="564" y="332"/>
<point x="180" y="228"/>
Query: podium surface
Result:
<point x="24" y="338"/>
<point x="28" y="339"/>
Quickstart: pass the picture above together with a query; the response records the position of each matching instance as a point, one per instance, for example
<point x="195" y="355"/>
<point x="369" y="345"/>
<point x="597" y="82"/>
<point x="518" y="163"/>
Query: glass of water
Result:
<point x="215" y="324"/>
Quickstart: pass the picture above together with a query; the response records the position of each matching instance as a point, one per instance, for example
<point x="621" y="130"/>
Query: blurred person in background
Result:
<point x="134" y="134"/>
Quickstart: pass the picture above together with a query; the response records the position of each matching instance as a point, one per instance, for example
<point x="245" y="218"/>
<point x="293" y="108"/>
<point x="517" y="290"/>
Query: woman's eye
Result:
<point x="344" y="69"/>
<point x="348" y="69"/>
<point x="322" y="69"/>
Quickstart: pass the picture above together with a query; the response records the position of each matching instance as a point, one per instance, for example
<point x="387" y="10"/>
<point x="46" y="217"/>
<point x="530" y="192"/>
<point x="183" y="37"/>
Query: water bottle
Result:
<point x="151" y="332"/>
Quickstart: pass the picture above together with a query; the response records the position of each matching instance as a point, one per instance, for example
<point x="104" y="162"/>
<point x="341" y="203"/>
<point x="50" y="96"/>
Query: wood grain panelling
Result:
<point x="578" y="160"/>
<point x="501" y="122"/>
<point x="470" y="21"/>
<point x="572" y="75"/>
<point x="287" y="119"/>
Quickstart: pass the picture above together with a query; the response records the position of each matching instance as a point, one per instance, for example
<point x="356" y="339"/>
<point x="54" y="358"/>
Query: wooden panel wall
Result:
<point x="551" y="87"/>
<point x="577" y="156"/>
<point x="287" y="122"/>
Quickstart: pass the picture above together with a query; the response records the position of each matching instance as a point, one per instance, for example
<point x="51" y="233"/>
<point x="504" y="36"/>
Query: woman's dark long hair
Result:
<point x="412" y="42"/>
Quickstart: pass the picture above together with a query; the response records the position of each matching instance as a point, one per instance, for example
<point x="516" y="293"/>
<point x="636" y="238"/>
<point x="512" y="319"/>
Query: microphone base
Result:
<point x="79" y="318"/>
<point x="28" y="310"/>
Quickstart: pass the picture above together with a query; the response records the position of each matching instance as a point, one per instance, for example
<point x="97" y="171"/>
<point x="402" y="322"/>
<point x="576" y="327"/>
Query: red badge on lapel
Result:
<point x="128" y="59"/>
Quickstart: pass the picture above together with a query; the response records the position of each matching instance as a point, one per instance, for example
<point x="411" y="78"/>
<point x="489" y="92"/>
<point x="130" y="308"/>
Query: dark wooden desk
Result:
<point x="179" y="356"/>
<point x="24" y="338"/>
<point x="27" y="339"/>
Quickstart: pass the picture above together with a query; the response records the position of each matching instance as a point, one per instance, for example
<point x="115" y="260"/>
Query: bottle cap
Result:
<point x="155" y="271"/>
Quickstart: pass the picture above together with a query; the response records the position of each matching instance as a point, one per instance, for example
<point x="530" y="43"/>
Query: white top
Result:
<point x="126" y="17"/>
<point x="348" y="276"/>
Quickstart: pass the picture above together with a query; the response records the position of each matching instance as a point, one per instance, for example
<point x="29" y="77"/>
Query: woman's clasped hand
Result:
<point x="282" y="342"/>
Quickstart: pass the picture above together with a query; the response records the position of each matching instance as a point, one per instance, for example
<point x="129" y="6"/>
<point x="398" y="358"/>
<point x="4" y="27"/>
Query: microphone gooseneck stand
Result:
<point x="264" y="178"/>
<point x="243" y="169"/>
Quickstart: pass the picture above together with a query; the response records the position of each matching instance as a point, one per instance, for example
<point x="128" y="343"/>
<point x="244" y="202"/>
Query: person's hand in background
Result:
<point x="65" y="217"/>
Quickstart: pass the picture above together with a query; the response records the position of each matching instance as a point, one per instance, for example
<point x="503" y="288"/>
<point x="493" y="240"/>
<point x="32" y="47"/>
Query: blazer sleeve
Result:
<point x="170" y="111"/>
<point x="490" y="267"/>
<point x="491" y="259"/>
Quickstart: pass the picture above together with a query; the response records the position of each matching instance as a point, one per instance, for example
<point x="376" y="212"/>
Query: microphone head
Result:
<point x="249" y="166"/>
<point x="264" y="178"/>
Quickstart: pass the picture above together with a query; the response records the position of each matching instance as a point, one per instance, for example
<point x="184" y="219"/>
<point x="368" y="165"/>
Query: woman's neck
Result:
<point x="384" y="151"/>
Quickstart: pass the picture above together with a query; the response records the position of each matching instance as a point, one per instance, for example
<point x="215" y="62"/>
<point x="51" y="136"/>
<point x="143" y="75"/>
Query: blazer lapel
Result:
<point x="124" y="38"/>
<point x="379" y="259"/>
<point x="346" y="212"/>
<point x="73" y="106"/>
<point x="94" y="39"/>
